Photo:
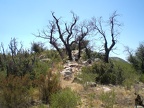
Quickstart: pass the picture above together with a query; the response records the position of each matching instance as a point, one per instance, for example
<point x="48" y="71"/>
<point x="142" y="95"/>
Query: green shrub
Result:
<point x="14" y="91"/>
<point x="53" y="55"/>
<point x="37" y="47"/>
<point x="88" y="75"/>
<point x="130" y="76"/>
<point x="110" y="74"/>
<point x="108" y="99"/>
<point x="142" y="78"/>
<point x="89" y="54"/>
<point x="41" y="68"/>
<point x="115" y="72"/>
<point x="64" y="99"/>
<point x="47" y="85"/>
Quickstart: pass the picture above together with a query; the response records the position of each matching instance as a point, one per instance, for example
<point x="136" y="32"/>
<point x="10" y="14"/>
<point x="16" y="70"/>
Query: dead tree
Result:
<point x="113" y="24"/>
<point x="83" y="34"/>
<point x="67" y="34"/>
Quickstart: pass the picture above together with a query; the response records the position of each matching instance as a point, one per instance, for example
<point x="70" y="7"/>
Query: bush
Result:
<point x="88" y="75"/>
<point x="110" y="74"/>
<point x="47" y="85"/>
<point x="142" y="78"/>
<point x="53" y="55"/>
<point x="15" y="91"/>
<point x="102" y="73"/>
<point x="17" y="61"/>
<point x="64" y="99"/>
<point x="115" y="73"/>
<point x="41" y="68"/>
<point x="37" y="47"/>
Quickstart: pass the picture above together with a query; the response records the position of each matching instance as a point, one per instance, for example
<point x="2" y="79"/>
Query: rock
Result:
<point x="106" y="89"/>
<point x="67" y="77"/>
<point x="66" y="72"/>
<point x="91" y="84"/>
<point x="73" y="65"/>
<point x="75" y="55"/>
<point x="138" y="107"/>
<point x="68" y="69"/>
<point x="97" y="59"/>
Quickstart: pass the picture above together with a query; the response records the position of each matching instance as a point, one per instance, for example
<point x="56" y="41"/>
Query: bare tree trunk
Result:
<point x="106" y="57"/>
<point x="70" y="55"/>
<point x="79" y="52"/>
<point x="113" y="33"/>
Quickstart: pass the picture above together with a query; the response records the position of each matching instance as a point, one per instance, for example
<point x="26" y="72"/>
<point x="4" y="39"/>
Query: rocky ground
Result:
<point x="99" y="96"/>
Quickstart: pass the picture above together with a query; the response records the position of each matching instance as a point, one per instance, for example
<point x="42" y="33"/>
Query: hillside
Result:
<point x="118" y="59"/>
<point x="80" y="84"/>
<point x="101" y="96"/>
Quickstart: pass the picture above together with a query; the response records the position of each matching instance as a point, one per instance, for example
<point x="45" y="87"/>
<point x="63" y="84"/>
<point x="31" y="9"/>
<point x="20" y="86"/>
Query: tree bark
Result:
<point x="106" y="57"/>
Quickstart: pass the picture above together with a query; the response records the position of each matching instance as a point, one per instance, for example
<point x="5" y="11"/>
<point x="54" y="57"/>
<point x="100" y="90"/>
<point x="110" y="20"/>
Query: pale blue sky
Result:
<point x="21" y="18"/>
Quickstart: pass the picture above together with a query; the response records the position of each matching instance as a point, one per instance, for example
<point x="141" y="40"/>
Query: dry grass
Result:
<point x="90" y="97"/>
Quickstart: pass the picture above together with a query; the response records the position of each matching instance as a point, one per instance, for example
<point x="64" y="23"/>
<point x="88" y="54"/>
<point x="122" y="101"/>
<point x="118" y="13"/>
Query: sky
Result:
<point x="23" y="18"/>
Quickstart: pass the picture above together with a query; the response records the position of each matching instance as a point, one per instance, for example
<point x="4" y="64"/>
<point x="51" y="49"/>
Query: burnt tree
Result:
<point x="113" y="32"/>
<point x="84" y="31"/>
<point x="64" y="34"/>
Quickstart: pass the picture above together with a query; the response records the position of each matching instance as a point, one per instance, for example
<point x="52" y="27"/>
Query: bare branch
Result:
<point x="97" y="25"/>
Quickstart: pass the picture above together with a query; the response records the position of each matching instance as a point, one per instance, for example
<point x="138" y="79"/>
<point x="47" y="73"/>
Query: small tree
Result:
<point x="113" y="24"/>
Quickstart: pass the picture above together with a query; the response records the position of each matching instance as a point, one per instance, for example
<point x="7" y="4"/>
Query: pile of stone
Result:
<point x="69" y="69"/>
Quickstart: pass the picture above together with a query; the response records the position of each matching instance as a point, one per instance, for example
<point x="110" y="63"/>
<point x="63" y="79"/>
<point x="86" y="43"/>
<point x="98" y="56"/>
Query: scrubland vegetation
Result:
<point x="31" y="78"/>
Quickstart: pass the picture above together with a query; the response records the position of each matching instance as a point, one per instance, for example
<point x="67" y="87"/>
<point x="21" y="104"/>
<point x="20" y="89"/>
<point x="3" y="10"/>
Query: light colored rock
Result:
<point x="97" y="59"/>
<point x="106" y="89"/>
<point x="68" y="69"/>
<point x="66" y="72"/>
<point x="138" y="107"/>
<point x="91" y="84"/>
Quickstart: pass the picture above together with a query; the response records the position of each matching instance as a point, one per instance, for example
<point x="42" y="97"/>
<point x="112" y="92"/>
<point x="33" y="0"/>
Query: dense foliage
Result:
<point x="137" y="59"/>
<point x="115" y="72"/>
<point x="64" y="99"/>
